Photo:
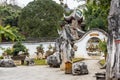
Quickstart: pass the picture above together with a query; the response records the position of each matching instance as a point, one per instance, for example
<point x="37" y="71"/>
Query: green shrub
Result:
<point x="9" y="51"/>
<point x="17" y="47"/>
<point x="40" y="62"/>
<point x="1" y="57"/>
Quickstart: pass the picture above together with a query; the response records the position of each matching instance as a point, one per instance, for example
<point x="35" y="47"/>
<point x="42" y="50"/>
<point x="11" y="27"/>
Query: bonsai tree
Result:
<point x="40" y="51"/>
<point x="50" y="51"/>
<point x="17" y="47"/>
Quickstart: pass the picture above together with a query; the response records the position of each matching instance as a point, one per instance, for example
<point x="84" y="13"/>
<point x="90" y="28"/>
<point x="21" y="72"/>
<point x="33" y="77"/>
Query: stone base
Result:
<point x="17" y="62"/>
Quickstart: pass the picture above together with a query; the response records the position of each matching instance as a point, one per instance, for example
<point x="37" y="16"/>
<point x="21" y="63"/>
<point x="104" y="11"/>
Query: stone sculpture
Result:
<point x="55" y="59"/>
<point x="70" y="31"/>
<point x="52" y="61"/>
<point x="79" y="68"/>
<point x="113" y="59"/>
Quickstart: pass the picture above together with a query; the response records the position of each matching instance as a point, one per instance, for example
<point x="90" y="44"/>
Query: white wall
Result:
<point x="30" y="46"/>
<point x="82" y="43"/>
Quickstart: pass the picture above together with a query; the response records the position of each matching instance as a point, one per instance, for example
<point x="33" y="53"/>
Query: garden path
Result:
<point x="47" y="73"/>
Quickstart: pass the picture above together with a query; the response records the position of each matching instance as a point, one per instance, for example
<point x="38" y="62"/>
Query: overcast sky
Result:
<point x="71" y="3"/>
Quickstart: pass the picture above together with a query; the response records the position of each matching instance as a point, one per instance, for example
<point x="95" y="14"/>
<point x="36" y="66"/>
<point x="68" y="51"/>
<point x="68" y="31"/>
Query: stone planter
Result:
<point x="100" y="76"/>
<point x="21" y="57"/>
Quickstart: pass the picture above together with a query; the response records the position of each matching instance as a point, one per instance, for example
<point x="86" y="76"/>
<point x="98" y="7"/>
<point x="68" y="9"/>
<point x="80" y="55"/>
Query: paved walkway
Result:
<point x="46" y="73"/>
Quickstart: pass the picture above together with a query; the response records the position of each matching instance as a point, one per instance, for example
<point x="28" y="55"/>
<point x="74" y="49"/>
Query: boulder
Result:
<point x="7" y="63"/>
<point x="30" y="62"/>
<point x="52" y="61"/>
<point x="79" y="68"/>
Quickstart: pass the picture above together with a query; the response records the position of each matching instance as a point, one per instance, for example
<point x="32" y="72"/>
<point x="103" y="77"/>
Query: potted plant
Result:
<point x="40" y="51"/>
<point x="17" y="48"/>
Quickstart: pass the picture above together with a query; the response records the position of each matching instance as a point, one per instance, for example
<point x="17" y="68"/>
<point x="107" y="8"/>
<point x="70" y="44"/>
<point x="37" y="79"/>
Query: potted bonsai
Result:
<point x="17" y="48"/>
<point x="40" y="51"/>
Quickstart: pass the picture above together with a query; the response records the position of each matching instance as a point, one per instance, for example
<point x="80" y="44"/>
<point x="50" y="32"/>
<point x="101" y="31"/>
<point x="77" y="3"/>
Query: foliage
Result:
<point x="77" y="59"/>
<point x="103" y="47"/>
<point x="10" y="33"/>
<point x="50" y="47"/>
<point x="17" y="47"/>
<point x="9" y="15"/>
<point x="102" y="62"/>
<point x="1" y="57"/>
<point x="40" y="48"/>
<point x="39" y="19"/>
<point x="7" y="32"/>
<point x="40" y="62"/>
<point x="96" y="13"/>
<point x="9" y="51"/>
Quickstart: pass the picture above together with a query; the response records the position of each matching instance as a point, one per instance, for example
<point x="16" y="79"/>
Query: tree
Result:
<point x="17" y="47"/>
<point x="40" y="18"/>
<point x="96" y="13"/>
<point x="9" y="15"/>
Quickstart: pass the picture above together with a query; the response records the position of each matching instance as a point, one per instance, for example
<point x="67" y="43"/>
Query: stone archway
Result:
<point x="93" y="47"/>
<point x="82" y="43"/>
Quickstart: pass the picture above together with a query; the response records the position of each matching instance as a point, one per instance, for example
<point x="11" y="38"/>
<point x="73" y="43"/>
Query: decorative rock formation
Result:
<point x="79" y="68"/>
<point x="53" y="61"/>
<point x="7" y="63"/>
<point x="70" y="31"/>
<point x="113" y="60"/>
<point x="29" y="61"/>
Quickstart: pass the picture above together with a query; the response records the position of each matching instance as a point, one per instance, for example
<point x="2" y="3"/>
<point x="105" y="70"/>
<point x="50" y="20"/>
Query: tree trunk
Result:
<point x="113" y="58"/>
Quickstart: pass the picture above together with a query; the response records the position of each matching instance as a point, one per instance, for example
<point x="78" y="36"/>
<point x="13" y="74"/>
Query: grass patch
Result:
<point x="77" y="59"/>
<point x="40" y="62"/>
<point x="102" y="62"/>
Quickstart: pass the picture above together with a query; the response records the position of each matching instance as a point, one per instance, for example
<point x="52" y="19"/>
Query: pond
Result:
<point x="30" y="46"/>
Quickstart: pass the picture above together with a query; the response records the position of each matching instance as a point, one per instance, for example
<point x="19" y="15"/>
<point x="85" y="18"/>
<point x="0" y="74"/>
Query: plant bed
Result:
<point x="74" y="60"/>
<point x="40" y="62"/>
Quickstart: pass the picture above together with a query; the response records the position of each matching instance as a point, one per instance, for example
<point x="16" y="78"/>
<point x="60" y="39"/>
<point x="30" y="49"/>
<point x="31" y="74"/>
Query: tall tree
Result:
<point x="40" y="18"/>
<point x="96" y="13"/>
<point x="9" y="15"/>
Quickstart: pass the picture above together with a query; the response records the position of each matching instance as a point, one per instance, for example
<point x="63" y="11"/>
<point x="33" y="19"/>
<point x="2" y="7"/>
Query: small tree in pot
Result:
<point x="17" y="47"/>
<point x="40" y="51"/>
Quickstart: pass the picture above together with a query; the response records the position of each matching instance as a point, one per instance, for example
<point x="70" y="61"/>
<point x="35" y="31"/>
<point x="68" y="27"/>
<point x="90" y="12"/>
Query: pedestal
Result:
<point x="62" y="66"/>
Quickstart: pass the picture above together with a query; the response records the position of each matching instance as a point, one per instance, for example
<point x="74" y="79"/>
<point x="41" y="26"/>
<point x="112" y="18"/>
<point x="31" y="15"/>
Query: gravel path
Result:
<point x="47" y="73"/>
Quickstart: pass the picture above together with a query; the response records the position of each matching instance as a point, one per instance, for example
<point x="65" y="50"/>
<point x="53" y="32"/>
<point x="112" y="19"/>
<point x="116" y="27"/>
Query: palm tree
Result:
<point x="8" y="32"/>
